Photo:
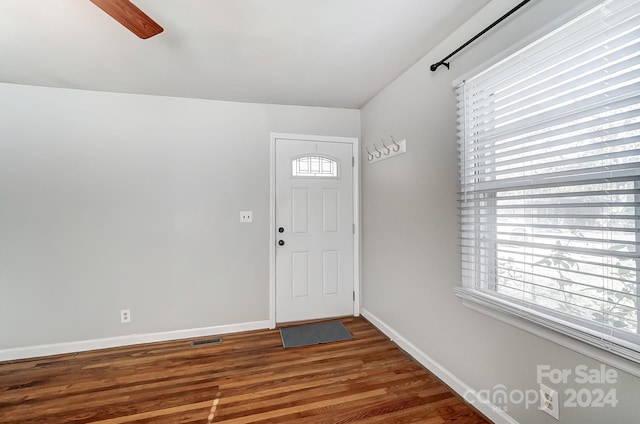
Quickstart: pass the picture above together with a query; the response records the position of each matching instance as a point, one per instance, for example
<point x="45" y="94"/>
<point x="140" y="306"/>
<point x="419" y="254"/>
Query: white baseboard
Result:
<point x="84" y="345"/>
<point x="483" y="405"/>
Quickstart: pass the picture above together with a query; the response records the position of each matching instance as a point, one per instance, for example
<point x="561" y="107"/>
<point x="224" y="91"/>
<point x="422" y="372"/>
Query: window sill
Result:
<point x="483" y="305"/>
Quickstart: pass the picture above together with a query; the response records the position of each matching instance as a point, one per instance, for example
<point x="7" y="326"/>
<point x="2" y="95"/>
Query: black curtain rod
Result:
<point x="480" y="34"/>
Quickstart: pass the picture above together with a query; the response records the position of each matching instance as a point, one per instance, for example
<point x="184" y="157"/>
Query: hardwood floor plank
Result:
<point x="256" y="380"/>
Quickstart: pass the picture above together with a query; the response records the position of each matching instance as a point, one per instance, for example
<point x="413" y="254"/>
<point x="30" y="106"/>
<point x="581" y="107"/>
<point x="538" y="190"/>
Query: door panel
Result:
<point x="330" y="272"/>
<point x="300" y="274"/>
<point x="330" y="210"/>
<point x="314" y="205"/>
<point x="300" y="210"/>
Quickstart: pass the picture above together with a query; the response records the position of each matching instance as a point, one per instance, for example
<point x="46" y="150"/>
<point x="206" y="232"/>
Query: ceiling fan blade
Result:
<point x="134" y="19"/>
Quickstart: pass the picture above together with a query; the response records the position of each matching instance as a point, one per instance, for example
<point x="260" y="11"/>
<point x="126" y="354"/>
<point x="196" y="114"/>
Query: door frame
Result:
<point x="272" y="213"/>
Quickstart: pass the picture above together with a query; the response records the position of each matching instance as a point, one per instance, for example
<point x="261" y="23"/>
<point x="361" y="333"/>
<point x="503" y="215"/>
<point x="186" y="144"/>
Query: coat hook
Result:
<point x="370" y="155"/>
<point x="396" y="148"/>
<point x="386" y="149"/>
<point x="378" y="153"/>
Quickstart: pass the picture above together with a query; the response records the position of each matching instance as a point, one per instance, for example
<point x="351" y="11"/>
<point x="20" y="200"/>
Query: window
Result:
<point x="550" y="180"/>
<point x="314" y="166"/>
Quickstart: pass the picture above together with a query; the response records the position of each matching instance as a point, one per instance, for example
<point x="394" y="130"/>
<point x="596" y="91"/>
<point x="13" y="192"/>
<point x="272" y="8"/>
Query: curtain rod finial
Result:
<point x="435" y="66"/>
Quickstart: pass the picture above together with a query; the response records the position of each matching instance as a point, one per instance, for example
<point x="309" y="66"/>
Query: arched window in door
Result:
<point x="314" y="166"/>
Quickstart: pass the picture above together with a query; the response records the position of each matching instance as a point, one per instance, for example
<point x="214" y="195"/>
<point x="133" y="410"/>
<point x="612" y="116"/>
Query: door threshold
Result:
<point x="312" y="321"/>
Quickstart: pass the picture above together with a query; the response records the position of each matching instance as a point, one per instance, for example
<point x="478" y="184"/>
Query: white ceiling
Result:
<point x="336" y="53"/>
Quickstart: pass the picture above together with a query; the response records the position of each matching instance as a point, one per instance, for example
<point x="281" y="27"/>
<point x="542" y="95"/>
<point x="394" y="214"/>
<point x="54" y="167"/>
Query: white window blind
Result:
<point x="549" y="143"/>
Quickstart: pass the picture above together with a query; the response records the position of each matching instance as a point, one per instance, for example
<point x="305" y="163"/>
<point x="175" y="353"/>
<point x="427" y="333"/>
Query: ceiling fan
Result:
<point x="134" y="19"/>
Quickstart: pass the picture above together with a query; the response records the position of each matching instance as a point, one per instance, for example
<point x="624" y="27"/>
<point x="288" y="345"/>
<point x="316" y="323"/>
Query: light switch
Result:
<point x="246" y="216"/>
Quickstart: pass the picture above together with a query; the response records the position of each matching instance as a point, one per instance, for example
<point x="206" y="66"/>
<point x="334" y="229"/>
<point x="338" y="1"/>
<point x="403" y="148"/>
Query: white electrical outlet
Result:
<point x="246" y="216"/>
<point x="549" y="401"/>
<point x="125" y="316"/>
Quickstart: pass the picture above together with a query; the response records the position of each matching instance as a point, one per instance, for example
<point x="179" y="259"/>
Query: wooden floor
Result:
<point x="366" y="380"/>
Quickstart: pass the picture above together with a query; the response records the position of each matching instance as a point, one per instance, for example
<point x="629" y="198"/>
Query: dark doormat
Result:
<point x="311" y="334"/>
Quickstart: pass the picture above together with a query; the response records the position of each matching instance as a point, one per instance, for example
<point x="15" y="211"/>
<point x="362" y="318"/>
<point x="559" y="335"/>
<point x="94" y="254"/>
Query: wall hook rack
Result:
<point x="388" y="151"/>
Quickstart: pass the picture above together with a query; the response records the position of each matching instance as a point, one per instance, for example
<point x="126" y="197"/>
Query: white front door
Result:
<point x="314" y="230"/>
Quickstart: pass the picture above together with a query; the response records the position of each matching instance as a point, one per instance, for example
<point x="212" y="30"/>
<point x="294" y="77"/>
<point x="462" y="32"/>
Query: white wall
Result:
<point x="111" y="201"/>
<point x="410" y="231"/>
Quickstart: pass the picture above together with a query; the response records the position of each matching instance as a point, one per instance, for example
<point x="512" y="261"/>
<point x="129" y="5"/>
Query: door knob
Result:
<point x="281" y="230"/>
<point x="281" y="242"/>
